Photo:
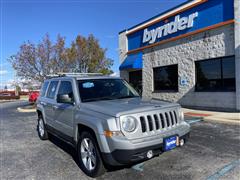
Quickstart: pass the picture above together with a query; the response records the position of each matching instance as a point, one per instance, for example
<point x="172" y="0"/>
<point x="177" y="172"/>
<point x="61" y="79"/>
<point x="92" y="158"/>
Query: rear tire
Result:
<point x="89" y="156"/>
<point x="41" y="129"/>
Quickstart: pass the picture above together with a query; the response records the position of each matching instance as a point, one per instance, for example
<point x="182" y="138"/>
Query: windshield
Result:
<point x="105" y="89"/>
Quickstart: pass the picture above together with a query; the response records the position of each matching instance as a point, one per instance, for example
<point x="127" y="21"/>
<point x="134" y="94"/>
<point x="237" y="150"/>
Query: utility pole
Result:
<point x="15" y="84"/>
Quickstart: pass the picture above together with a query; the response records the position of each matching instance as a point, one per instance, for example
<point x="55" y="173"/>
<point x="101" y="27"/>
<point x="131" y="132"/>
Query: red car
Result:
<point x="33" y="96"/>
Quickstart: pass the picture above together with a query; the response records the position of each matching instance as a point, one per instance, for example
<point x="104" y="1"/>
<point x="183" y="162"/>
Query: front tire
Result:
<point x="89" y="155"/>
<point x="41" y="129"/>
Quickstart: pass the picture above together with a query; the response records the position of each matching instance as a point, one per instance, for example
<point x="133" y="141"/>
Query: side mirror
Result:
<point x="64" y="98"/>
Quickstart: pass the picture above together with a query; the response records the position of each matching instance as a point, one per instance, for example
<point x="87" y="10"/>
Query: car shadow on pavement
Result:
<point x="64" y="146"/>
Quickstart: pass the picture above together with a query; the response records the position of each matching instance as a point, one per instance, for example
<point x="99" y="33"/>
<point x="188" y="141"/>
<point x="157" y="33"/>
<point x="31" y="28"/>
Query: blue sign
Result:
<point x="203" y="15"/>
<point x="183" y="81"/>
<point x="170" y="143"/>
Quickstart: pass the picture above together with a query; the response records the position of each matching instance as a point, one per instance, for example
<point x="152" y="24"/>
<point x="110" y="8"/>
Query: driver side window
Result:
<point x="66" y="88"/>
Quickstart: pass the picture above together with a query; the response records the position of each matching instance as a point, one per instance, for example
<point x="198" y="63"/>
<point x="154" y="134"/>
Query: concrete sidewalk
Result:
<point x="226" y="117"/>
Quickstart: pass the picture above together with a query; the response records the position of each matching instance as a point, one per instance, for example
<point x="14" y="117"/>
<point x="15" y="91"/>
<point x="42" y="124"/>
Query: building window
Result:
<point x="135" y="79"/>
<point x="215" y="74"/>
<point x="166" y="78"/>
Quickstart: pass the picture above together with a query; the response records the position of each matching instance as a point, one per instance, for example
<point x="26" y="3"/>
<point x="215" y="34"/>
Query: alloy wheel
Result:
<point x="88" y="154"/>
<point x="41" y="127"/>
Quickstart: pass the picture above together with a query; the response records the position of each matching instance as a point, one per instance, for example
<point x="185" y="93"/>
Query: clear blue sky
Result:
<point x="23" y="20"/>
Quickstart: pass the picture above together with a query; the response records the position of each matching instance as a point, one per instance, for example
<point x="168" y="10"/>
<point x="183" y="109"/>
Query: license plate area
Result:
<point x="170" y="143"/>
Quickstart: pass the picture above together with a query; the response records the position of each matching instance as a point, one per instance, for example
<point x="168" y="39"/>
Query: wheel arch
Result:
<point x="39" y="113"/>
<point x="82" y="127"/>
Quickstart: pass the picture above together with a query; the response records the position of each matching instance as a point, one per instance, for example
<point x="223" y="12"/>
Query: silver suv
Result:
<point x="107" y="122"/>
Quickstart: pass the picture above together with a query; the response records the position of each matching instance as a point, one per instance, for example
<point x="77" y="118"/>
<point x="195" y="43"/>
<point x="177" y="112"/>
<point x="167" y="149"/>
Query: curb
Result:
<point x="212" y="119"/>
<point x="221" y="120"/>
<point x="25" y="110"/>
<point x="7" y="101"/>
<point x="192" y="118"/>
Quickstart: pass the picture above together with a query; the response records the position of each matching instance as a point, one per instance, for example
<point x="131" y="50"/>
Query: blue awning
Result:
<point x="132" y="61"/>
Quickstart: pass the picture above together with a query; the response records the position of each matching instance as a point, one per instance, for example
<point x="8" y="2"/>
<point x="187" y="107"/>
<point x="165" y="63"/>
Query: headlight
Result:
<point x="129" y="123"/>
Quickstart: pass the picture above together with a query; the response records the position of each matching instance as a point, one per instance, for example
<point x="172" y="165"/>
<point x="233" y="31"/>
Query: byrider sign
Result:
<point x="203" y="15"/>
<point x="179" y="24"/>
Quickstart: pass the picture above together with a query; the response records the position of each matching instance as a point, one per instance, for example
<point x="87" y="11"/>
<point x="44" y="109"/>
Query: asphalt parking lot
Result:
<point x="213" y="152"/>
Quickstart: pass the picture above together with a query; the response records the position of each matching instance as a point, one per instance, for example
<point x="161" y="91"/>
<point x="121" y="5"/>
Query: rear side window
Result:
<point x="52" y="89"/>
<point x="44" y="88"/>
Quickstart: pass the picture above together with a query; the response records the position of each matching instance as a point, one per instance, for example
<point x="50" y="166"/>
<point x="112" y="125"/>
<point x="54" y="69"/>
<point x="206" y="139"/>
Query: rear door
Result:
<point x="50" y="102"/>
<point x="64" y="112"/>
<point x="41" y="101"/>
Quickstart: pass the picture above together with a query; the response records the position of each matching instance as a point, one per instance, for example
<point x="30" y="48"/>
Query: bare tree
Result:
<point x="36" y="61"/>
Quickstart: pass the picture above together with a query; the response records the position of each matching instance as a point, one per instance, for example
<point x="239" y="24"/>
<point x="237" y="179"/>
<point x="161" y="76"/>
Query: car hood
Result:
<point x="120" y="107"/>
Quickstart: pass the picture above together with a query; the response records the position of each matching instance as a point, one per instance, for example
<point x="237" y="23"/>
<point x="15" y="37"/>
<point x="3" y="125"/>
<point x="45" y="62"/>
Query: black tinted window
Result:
<point x="228" y="70"/>
<point x="66" y="88"/>
<point x="52" y="89"/>
<point x="135" y="79"/>
<point x="44" y="88"/>
<point x="166" y="78"/>
<point x="215" y="74"/>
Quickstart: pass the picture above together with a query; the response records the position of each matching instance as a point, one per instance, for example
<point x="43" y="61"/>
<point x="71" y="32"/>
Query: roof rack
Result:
<point x="73" y="75"/>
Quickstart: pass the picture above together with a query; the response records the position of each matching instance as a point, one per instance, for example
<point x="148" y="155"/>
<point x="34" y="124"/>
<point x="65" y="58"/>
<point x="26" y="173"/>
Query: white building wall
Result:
<point x="184" y="52"/>
<point x="123" y="46"/>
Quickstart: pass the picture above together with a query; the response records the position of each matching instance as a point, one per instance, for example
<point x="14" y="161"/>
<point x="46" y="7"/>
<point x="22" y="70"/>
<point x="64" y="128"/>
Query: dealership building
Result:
<point x="189" y="54"/>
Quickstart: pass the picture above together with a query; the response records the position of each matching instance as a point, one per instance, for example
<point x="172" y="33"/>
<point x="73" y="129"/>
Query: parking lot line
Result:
<point x="194" y="121"/>
<point x="224" y="170"/>
<point x="138" y="167"/>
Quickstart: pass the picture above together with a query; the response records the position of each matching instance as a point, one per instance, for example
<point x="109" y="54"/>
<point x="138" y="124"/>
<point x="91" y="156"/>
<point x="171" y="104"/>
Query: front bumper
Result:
<point x="127" y="157"/>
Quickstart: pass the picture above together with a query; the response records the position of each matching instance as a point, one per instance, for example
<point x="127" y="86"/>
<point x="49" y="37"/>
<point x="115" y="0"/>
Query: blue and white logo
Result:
<point x="178" y="24"/>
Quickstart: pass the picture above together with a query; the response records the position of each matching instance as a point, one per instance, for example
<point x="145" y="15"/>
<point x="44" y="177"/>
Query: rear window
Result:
<point x="44" y="88"/>
<point x="52" y="89"/>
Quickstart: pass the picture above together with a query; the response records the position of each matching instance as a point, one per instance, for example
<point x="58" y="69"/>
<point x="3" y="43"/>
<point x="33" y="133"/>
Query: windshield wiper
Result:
<point x="98" y="99"/>
<point x="123" y="97"/>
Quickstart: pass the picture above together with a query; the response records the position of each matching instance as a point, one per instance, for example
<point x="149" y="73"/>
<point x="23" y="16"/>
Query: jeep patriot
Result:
<point x="107" y="121"/>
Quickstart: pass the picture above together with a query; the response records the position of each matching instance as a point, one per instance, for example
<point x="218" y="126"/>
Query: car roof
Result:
<point x="97" y="77"/>
<point x="81" y="78"/>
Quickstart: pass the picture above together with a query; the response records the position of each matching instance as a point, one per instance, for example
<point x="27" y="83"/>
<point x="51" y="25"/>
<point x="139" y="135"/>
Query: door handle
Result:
<point x="43" y="103"/>
<point x="55" y="107"/>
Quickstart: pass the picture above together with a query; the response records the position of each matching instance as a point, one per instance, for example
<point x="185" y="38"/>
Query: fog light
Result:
<point x="149" y="154"/>
<point x="181" y="143"/>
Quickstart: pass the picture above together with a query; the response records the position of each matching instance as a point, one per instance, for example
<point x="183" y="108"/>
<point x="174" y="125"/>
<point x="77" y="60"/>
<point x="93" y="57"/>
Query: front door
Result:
<point x="64" y="112"/>
<point x="135" y="79"/>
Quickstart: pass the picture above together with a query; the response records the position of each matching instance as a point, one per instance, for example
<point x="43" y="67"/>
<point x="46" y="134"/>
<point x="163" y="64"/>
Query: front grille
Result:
<point x="158" y="121"/>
